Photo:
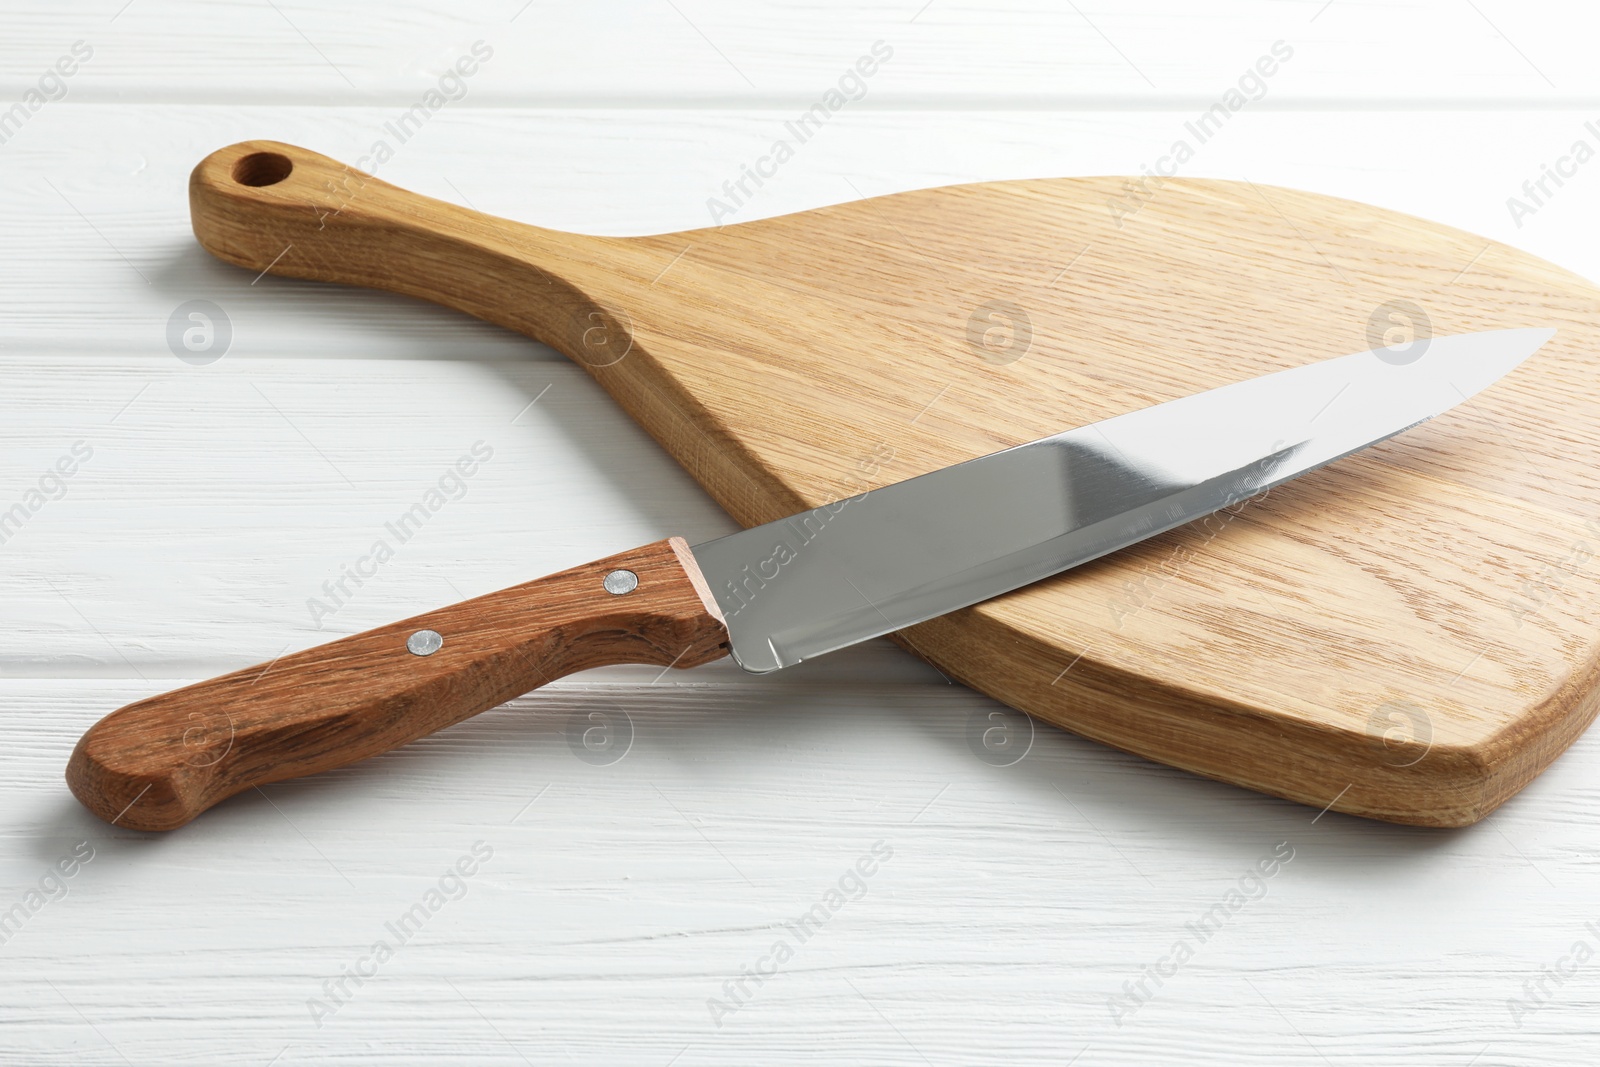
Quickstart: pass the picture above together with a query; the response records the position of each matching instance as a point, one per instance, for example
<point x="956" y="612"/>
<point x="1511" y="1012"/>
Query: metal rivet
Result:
<point x="424" y="643"/>
<point x="620" y="582"/>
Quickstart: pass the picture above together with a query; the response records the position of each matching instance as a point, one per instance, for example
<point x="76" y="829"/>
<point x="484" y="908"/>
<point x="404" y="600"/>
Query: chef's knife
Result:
<point x="776" y="595"/>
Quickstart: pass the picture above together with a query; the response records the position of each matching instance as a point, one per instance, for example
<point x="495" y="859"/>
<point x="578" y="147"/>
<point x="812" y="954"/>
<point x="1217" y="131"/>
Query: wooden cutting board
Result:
<point x="1410" y="634"/>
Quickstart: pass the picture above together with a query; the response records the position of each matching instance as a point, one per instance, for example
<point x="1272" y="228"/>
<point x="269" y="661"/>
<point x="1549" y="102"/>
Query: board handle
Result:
<point x="275" y="208"/>
<point x="158" y="763"/>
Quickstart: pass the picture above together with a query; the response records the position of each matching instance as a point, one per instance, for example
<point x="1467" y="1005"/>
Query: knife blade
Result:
<point x="777" y="594"/>
<point x="863" y="567"/>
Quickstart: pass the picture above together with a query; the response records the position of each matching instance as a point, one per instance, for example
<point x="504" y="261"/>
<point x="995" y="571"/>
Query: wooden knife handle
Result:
<point x="275" y="208"/>
<point x="158" y="763"/>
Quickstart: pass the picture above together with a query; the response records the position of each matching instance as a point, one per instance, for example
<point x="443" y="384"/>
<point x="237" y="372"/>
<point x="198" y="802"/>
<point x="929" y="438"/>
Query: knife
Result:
<point x="776" y="595"/>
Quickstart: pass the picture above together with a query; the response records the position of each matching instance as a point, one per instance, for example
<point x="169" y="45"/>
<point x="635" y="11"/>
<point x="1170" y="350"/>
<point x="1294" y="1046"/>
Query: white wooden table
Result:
<point x="618" y="906"/>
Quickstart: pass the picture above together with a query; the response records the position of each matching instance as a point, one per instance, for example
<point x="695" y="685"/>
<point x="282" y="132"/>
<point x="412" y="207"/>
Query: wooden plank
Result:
<point x="1017" y="901"/>
<point x="947" y="53"/>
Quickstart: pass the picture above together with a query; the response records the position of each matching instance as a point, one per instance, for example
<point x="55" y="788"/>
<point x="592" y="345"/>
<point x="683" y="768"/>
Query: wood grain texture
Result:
<point x="157" y="763"/>
<point x="1292" y="646"/>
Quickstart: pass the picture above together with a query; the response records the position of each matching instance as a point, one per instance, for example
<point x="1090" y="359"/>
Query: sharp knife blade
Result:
<point x="868" y="565"/>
